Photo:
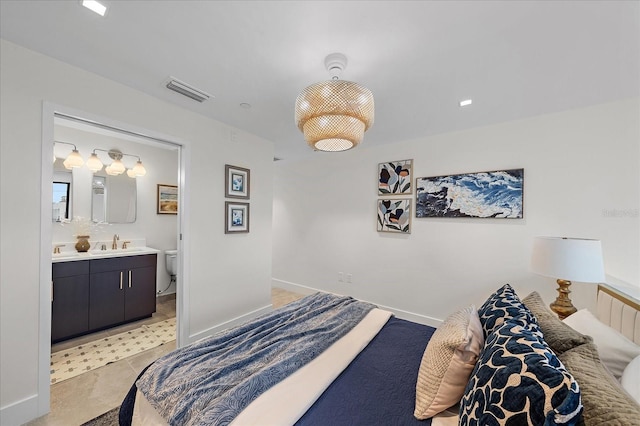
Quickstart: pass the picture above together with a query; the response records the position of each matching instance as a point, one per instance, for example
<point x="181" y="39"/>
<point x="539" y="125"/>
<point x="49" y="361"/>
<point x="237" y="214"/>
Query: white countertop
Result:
<point x="71" y="255"/>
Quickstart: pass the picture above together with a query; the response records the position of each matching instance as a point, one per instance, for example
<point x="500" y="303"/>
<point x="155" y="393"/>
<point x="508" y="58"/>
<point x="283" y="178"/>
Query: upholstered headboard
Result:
<point x="619" y="312"/>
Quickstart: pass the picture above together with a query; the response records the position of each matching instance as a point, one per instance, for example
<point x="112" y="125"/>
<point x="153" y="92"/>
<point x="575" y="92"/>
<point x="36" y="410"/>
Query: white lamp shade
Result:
<point x="139" y="169"/>
<point x="110" y="172"/>
<point x="93" y="163"/>
<point x="73" y="160"/>
<point x="572" y="259"/>
<point x="117" y="168"/>
<point x="131" y="173"/>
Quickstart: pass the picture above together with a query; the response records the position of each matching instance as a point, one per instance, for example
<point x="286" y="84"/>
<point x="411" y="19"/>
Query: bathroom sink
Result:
<point x="109" y="252"/>
<point x="120" y="252"/>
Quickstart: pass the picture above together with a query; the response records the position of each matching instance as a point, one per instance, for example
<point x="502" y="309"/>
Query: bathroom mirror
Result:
<point x="62" y="193"/>
<point x="113" y="198"/>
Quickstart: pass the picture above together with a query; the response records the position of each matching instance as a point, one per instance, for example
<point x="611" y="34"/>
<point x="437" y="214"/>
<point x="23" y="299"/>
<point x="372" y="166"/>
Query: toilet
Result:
<point x="171" y="263"/>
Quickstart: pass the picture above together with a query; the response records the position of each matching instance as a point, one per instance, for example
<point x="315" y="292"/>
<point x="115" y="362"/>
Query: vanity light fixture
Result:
<point x="74" y="159"/>
<point x="117" y="167"/>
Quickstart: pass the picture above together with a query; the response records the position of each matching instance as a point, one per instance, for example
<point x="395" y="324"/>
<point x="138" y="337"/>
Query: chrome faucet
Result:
<point x="114" y="245"/>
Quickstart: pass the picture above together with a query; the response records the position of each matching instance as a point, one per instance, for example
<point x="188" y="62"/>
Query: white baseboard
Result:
<point x="406" y="315"/>
<point x="296" y="288"/>
<point x="227" y="324"/>
<point x="20" y="412"/>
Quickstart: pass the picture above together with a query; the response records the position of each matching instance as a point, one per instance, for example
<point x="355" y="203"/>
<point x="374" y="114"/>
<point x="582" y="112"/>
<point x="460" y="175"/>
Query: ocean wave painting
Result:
<point x="497" y="194"/>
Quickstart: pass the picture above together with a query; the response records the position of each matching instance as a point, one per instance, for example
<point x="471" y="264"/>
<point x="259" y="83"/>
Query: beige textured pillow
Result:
<point x="558" y="335"/>
<point x="447" y="363"/>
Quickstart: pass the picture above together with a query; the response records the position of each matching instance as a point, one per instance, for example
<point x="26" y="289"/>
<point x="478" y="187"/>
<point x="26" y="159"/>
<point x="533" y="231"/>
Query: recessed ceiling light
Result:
<point x="245" y="105"/>
<point x="95" y="6"/>
<point x="466" y="102"/>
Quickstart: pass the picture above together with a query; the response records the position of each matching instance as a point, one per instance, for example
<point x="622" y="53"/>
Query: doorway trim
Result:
<point x="49" y="112"/>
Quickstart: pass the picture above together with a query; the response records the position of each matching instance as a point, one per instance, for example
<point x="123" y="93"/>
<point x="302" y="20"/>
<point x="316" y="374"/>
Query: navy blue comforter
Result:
<point x="379" y="386"/>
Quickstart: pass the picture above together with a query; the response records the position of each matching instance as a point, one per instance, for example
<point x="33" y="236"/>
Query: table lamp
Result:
<point x="567" y="259"/>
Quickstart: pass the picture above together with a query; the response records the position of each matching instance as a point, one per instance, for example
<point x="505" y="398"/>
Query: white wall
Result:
<point x="579" y="166"/>
<point x="228" y="275"/>
<point x="159" y="230"/>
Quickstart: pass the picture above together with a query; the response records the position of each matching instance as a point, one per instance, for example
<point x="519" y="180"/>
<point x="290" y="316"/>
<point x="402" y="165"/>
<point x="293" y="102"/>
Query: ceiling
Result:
<point x="515" y="59"/>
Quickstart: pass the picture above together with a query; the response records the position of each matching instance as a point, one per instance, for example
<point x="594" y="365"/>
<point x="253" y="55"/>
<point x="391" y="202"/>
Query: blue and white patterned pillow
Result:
<point x="518" y="380"/>
<point x="501" y="306"/>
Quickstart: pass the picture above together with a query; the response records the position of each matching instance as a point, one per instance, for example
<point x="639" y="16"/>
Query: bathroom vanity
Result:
<point x="97" y="291"/>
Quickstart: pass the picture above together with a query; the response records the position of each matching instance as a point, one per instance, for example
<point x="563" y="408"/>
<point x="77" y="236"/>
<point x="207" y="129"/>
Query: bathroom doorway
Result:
<point x="63" y="123"/>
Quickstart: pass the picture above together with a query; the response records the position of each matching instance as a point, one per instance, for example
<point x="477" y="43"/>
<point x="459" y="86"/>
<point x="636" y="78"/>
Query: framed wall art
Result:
<point x="236" y="217"/>
<point x="167" y="199"/>
<point x="394" y="177"/>
<point x="394" y="215"/>
<point x="496" y="194"/>
<point x="237" y="181"/>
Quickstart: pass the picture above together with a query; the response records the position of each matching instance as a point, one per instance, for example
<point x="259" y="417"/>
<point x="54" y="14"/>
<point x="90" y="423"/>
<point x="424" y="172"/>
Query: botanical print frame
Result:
<point x="237" y="180"/>
<point x="236" y="217"/>
<point x="394" y="215"/>
<point x="495" y="194"/>
<point x="394" y="177"/>
<point x="167" y="199"/>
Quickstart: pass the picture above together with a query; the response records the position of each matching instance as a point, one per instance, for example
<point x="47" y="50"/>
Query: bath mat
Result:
<point x="72" y="362"/>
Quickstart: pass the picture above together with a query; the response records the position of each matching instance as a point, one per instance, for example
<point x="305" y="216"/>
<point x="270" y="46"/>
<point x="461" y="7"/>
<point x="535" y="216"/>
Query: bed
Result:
<point x="329" y="359"/>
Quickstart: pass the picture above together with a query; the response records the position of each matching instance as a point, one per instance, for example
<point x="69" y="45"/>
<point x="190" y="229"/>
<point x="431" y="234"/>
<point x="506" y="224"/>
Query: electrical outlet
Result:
<point x="340" y="277"/>
<point x="349" y="277"/>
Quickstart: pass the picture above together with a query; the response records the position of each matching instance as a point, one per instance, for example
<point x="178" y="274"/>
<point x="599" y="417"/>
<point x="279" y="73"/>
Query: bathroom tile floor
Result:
<point x="77" y="400"/>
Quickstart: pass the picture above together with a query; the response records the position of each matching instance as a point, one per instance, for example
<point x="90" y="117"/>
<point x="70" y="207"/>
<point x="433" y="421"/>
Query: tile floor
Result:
<point x="77" y="400"/>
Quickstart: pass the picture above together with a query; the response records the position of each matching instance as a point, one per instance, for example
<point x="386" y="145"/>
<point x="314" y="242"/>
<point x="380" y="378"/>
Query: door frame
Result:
<point x="49" y="112"/>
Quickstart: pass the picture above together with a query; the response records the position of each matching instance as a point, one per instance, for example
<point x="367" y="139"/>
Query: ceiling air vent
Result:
<point x="186" y="90"/>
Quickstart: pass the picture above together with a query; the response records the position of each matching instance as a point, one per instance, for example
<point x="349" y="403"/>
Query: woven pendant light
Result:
<point x="334" y="114"/>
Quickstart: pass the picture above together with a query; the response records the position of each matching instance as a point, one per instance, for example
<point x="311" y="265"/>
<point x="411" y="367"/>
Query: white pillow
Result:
<point x="631" y="379"/>
<point x="615" y="350"/>
<point x="447" y="363"/>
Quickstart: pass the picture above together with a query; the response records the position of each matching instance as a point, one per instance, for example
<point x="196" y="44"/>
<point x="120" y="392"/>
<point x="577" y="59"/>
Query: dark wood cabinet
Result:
<point x="69" y="300"/>
<point x="113" y="291"/>
<point x="122" y="289"/>
<point x="107" y="299"/>
<point x="140" y="295"/>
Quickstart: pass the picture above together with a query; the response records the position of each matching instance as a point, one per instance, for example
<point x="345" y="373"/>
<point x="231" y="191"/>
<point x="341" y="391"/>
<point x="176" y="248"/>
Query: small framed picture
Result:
<point x="236" y="217"/>
<point x="236" y="182"/>
<point x="394" y="215"/>
<point x="394" y="177"/>
<point x="167" y="199"/>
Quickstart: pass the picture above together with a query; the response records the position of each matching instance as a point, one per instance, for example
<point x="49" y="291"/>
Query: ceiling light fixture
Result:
<point x="95" y="6"/>
<point x="334" y="114"/>
<point x="466" y="102"/>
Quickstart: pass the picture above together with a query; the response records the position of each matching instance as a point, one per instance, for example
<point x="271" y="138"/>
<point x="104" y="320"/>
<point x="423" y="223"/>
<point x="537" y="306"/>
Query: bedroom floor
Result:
<point x="79" y="399"/>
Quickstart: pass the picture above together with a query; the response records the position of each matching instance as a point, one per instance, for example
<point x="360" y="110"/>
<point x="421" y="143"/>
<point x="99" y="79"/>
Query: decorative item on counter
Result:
<point x="82" y="229"/>
<point x="83" y="243"/>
